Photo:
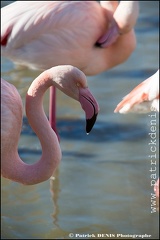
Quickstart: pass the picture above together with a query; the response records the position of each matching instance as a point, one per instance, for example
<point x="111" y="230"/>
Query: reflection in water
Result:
<point x="54" y="190"/>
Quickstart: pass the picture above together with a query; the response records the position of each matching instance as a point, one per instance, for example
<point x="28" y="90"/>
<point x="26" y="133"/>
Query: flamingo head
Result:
<point x="110" y="36"/>
<point x="73" y="83"/>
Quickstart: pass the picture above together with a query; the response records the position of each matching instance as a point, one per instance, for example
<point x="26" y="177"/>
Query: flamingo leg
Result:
<point x="52" y="110"/>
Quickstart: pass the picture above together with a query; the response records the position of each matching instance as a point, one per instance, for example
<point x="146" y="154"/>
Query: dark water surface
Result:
<point x="103" y="184"/>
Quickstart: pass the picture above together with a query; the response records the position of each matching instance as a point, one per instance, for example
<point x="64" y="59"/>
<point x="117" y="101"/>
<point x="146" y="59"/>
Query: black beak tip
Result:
<point x="90" y="123"/>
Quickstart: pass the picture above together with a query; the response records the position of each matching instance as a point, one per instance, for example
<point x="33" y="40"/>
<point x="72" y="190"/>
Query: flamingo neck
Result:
<point x="51" y="152"/>
<point x="28" y="174"/>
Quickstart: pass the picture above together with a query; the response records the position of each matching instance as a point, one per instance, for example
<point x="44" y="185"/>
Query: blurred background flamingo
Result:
<point x="91" y="36"/>
<point x="143" y="98"/>
<point x="69" y="80"/>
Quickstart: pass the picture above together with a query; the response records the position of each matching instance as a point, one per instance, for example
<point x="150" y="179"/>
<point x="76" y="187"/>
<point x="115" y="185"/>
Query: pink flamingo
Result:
<point x="143" y="98"/>
<point x="42" y="34"/>
<point x="69" y="80"/>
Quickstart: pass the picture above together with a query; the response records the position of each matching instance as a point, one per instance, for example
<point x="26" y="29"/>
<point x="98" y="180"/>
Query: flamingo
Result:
<point x="43" y="34"/>
<point x="71" y="81"/>
<point x="143" y="98"/>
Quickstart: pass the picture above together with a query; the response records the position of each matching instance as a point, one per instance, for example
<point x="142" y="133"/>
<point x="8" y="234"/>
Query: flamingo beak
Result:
<point x="90" y="106"/>
<point x="110" y="37"/>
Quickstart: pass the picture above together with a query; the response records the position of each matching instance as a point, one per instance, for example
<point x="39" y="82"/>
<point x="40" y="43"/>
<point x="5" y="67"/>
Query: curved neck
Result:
<point x="43" y="169"/>
<point x="51" y="152"/>
<point x="40" y="171"/>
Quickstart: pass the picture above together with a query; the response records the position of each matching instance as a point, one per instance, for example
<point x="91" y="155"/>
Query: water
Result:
<point x="102" y="185"/>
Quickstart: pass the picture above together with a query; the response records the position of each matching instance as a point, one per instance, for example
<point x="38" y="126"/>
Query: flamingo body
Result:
<point x="69" y="80"/>
<point x="43" y="34"/>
